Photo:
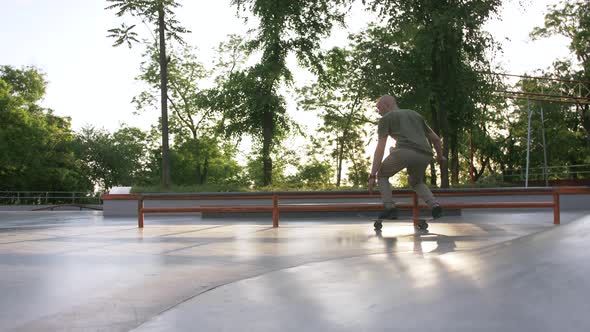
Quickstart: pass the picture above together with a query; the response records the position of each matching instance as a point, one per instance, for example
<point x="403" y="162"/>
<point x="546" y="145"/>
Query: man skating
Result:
<point x="413" y="151"/>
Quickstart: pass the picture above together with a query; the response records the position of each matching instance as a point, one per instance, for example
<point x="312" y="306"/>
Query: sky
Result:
<point x="93" y="83"/>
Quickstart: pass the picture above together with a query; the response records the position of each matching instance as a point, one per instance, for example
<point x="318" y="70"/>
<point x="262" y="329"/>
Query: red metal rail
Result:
<point x="276" y="208"/>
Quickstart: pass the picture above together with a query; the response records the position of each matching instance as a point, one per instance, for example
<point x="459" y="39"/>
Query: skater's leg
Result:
<point x="416" y="171"/>
<point x="394" y="163"/>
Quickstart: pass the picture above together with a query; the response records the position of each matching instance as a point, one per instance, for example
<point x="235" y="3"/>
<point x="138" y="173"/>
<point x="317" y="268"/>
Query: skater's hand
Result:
<point x="371" y="184"/>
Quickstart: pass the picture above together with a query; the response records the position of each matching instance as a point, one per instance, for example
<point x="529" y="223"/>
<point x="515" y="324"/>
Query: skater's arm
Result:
<point x="437" y="143"/>
<point x="377" y="159"/>
<point x="378" y="155"/>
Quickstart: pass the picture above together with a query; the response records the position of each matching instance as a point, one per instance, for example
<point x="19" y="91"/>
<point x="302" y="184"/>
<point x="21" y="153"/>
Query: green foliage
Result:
<point x="283" y="158"/>
<point x="148" y="11"/>
<point x="358" y="172"/>
<point x="431" y="54"/>
<point x="571" y="19"/>
<point x="285" y="26"/>
<point x="117" y="159"/>
<point x="35" y="145"/>
<point x="338" y="96"/>
<point x="247" y="107"/>
<point x="565" y="137"/>
<point x="160" y="14"/>
<point x="192" y="114"/>
<point x="296" y="26"/>
<point x="124" y="34"/>
<point x="199" y="154"/>
<point x="203" y="161"/>
<point x="314" y="173"/>
<point x="25" y="86"/>
<point x="232" y="55"/>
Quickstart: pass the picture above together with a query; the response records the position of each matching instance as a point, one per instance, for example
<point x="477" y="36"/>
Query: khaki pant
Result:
<point x="415" y="162"/>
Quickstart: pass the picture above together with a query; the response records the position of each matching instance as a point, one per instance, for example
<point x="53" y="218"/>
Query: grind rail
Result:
<point x="276" y="208"/>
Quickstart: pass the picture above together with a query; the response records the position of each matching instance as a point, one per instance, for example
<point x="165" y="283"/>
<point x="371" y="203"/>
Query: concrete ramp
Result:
<point x="82" y="271"/>
<point x="539" y="282"/>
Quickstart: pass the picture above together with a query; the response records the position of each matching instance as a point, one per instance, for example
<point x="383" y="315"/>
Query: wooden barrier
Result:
<point x="275" y="208"/>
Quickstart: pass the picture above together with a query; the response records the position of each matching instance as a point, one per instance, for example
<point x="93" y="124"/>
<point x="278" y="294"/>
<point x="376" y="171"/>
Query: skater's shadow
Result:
<point x="420" y="242"/>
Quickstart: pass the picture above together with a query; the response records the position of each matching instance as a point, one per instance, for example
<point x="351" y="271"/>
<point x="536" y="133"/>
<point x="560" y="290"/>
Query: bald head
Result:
<point x="386" y="103"/>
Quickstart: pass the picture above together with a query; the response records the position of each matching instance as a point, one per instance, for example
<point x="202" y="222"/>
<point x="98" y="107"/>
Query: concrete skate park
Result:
<point x="479" y="269"/>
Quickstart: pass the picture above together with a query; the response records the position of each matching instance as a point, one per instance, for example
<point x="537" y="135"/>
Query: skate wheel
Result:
<point x="422" y="225"/>
<point x="378" y="225"/>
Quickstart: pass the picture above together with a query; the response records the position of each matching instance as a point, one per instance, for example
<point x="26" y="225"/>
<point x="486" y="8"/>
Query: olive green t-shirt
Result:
<point x="408" y="128"/>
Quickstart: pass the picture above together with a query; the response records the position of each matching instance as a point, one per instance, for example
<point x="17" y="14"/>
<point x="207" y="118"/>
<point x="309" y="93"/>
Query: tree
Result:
<point x="285" y="26"/>
<point x="194" y="117"/>
<point x="191" y="111"/>
<point x="338" y="95"/>
<point x="283" y="157"/>
<point x="314" y="173"/>
<point x="114" y="159"/>
<point x="571" y="19"/>
<point x="205" y="158"/>
<point x="35" y="145"/>
<point x="160" y="14"/>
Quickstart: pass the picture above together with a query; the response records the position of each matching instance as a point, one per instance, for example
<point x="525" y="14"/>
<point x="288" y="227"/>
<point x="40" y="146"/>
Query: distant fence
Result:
<point x="569" y="175"/>
<point x="49" y="197"/>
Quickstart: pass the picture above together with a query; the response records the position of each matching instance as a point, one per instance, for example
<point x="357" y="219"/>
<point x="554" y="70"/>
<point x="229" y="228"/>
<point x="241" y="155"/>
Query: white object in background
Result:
<point x="120" y="190"/>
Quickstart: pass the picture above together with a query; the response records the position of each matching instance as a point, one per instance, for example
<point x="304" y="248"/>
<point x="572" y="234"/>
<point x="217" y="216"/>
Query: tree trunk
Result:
<point x="202" y="171"/>
<point x="433" y="173"/>
<point x="445" y="63"/>
<point x="205" y="171"/>
<point x="585" y="115"/>
<point x="484" y="164"/>
<point x="454" y="159"/>
<point x="340" y="156"/>
<point x="164" y="99"/>
<point x="198" y="174"/>
<point x="267" y="136"/>
<point x="436" y="128"/>
<point x="444" y="167"/>
<point x="442" y="115"/>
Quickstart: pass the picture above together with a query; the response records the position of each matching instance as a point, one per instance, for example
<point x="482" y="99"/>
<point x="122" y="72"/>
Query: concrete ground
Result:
<point x="484" y="271"/>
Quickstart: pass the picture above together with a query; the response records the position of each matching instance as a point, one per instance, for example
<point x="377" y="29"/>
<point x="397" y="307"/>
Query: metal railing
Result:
<point x="49" y="197"/>
<point x="558" y="91"/>
<point x="275" y="208"/>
